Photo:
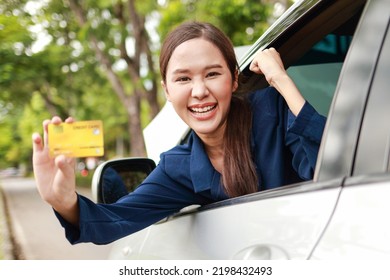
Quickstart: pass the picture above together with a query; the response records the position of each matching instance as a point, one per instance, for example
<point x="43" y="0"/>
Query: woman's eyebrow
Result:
<point x="180" y="71"/>
<point x="213" y="66"/>
<point x="183" y="71"/>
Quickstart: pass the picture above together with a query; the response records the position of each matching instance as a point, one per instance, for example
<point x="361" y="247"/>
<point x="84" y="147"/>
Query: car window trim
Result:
<point x="338" y="147"/>
<point x="293" y="189"/>
<point x="365" y="180"/>
<point x="379" y="157"/>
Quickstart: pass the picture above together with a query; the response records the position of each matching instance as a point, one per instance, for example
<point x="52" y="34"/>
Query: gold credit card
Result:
<point x="77" y="139"/>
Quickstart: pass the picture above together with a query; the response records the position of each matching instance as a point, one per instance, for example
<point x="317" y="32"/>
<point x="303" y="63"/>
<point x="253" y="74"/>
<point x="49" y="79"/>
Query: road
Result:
<point x="37" y="230"/>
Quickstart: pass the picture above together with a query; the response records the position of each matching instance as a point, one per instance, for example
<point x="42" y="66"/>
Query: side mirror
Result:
<point x="116" y="178"/>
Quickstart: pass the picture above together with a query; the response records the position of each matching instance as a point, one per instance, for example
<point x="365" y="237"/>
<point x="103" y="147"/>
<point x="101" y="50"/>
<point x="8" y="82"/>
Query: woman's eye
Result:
<point x="212" y="74"/>
<point x="182" y="79"/>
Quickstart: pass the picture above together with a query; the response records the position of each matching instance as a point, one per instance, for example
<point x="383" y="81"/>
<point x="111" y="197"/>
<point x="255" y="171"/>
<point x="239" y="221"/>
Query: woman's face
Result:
<point x="199" y="86"/>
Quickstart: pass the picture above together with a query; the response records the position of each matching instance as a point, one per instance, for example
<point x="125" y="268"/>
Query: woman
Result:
<point x="240" y="143"/>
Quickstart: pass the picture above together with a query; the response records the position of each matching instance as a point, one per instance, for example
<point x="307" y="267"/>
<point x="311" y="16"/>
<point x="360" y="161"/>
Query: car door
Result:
<point x="283" y="223"/>
<point x="360" y="228"/>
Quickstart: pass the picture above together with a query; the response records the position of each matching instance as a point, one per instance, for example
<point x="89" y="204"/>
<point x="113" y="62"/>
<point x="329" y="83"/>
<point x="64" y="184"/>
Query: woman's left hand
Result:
<point x="268" y="63"/>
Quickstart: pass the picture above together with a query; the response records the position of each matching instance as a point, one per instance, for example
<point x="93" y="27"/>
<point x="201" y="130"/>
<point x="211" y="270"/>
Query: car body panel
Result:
<point x="280" y="227"/>
<point x="360" y="228"/>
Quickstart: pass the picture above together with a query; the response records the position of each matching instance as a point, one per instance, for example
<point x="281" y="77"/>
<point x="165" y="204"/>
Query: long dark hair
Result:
<point x="239" y="175"/>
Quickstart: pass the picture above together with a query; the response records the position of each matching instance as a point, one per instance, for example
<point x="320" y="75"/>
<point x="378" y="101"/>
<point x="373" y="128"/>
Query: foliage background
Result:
<point x="99" y="60"/>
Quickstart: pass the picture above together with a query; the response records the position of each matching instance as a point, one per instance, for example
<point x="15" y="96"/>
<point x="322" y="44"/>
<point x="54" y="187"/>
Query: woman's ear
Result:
<point x="235" y="82"/>
<point x="163" y="85"/>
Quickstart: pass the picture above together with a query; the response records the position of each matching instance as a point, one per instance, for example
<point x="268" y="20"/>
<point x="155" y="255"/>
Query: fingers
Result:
<point x="37" y="142"/>
<point x="66" y="165"/>
<point x="56" y="121"/>
<point x="265" y="57"/>
<point x="45" y="124"/>
<point x="69" y="120"/>
<point x="254" y="67"/>
<point x="276" y="56"/>
<point x="269" y="63"/>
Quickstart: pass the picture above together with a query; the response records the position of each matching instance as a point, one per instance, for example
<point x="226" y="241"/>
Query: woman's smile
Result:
<point x="203" y="111"/>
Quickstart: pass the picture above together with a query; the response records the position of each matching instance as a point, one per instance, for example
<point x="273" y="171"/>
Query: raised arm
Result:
<point x="269" y="63"/>
<point x="55" y="177"/>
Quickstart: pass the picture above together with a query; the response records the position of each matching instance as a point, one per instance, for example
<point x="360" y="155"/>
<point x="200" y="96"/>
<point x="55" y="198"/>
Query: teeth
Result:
<point x="202" y="110"/>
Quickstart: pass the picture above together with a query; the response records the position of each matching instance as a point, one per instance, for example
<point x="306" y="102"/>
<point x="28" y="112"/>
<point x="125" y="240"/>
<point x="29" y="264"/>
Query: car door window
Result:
<point x="317" y="72"/>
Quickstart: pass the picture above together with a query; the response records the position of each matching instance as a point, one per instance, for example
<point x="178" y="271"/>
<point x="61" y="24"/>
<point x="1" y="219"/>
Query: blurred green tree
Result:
<point x="97" y="60"/>
<point x="243" y="21"/>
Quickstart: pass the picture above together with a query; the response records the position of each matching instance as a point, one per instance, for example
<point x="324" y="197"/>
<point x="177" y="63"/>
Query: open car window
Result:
<point x="317" y="72"/>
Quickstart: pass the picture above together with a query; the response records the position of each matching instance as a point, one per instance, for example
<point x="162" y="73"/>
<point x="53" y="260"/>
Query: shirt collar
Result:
<point x="203" y="175"/>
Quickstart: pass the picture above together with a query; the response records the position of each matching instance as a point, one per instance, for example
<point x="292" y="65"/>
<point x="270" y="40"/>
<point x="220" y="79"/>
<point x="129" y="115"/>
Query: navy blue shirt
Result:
<point x="284" y="149"/>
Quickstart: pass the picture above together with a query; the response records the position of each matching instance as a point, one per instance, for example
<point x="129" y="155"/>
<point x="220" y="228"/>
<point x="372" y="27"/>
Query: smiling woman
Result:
<point x="241" y="142"/>
<point x="200" y="86"/>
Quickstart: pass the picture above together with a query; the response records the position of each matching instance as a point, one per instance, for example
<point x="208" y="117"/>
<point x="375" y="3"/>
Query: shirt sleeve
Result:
<point x="308" y="123"/>
<point x="303" y="137"/>
<point x="157" y="197"/>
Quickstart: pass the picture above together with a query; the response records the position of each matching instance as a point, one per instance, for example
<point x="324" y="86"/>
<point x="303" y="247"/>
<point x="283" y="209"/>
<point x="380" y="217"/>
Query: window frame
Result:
<point x="348" y="108"/>
<point x="374" y="138"/>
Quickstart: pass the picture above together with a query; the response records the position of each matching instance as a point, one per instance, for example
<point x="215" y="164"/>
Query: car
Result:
<point x="9" y="172"/>
<point x="338" y="53"/>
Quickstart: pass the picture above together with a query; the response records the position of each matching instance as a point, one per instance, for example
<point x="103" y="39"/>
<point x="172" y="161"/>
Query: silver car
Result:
<point x="338" y="53"/>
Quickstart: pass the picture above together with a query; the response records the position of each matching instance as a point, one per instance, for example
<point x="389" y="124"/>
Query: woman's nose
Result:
<point x="199" y="89"/>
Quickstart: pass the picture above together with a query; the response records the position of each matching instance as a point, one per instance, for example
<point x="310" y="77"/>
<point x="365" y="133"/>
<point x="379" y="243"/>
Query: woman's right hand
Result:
<point x="55" y="177"/>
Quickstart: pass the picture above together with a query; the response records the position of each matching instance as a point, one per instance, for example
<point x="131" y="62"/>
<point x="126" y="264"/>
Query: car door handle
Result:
<point x="261" y="252"/>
